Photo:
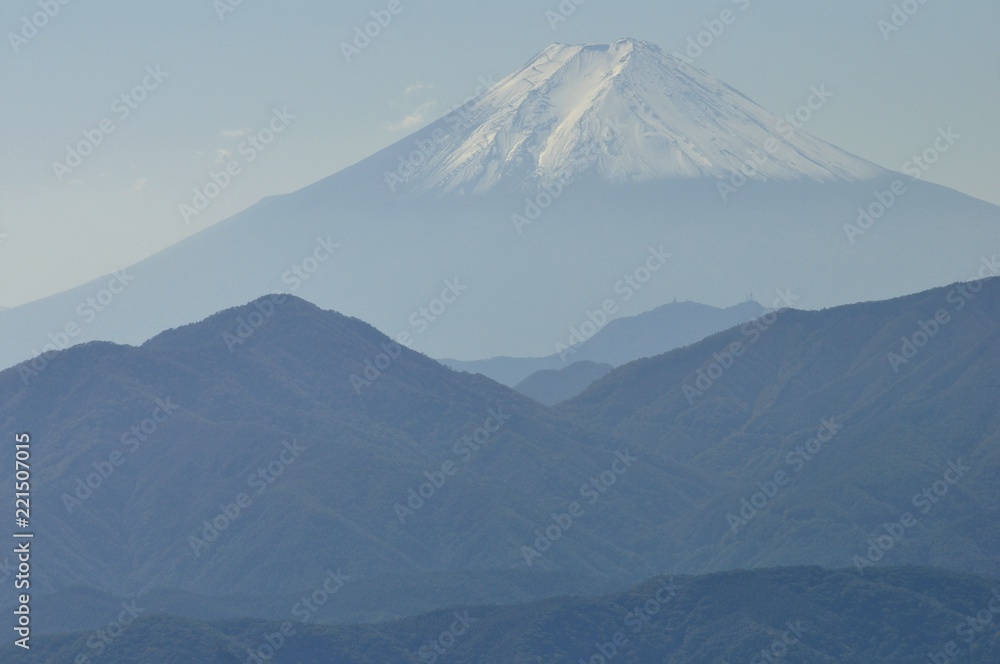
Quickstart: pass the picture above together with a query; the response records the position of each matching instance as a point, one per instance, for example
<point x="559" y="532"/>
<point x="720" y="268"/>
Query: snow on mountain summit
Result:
<point x="627" y="112"/>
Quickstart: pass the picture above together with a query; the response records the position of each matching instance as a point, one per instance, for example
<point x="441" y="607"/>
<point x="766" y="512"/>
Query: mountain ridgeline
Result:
<point x="245" y="473"/>
<point x="791" y="615"/>
<point x="618" y="341"/>
<point x="551" y="386"/>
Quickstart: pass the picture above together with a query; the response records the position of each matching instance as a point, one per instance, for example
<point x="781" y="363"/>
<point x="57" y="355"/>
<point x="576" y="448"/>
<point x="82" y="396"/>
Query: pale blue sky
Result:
<point x="942" y="68"/>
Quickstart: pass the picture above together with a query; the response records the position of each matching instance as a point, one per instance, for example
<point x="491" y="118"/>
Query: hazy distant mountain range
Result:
<point x="552" y="386"/>
<point x="621" y="340"/>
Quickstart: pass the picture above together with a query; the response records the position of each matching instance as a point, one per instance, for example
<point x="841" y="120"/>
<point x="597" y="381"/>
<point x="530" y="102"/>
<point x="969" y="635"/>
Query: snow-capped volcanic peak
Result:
<point x="627" y="112"/>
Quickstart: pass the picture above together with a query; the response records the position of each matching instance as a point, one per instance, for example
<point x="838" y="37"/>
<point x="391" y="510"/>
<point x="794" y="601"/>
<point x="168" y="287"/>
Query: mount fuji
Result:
<point x="633" y="113"/>
<point x="543" y="206"/>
